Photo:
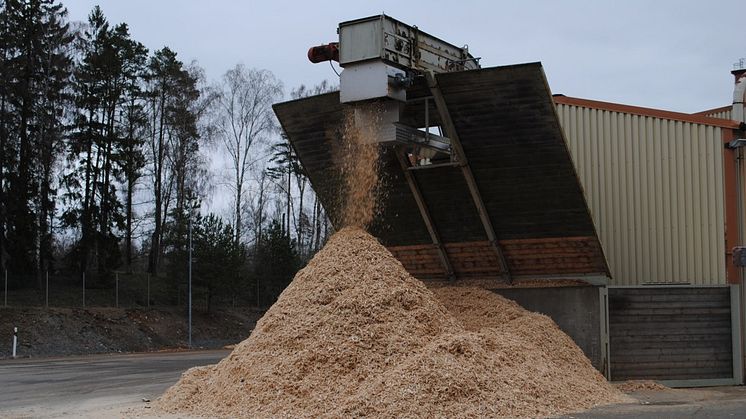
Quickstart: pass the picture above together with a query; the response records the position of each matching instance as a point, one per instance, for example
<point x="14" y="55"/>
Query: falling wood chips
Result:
<point x="355" y="335"/>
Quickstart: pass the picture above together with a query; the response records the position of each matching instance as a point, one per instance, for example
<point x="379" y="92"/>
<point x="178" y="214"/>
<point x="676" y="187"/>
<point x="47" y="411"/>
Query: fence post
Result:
<point x="46" y="297"/>
<point x="15" y="341"/>
<point x="83" y="289"/>
<point x="148" y="276"/>
<point x="116" y="297"/>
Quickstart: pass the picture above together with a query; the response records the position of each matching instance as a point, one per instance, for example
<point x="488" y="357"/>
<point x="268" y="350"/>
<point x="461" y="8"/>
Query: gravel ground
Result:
<point x="70" y="331"/>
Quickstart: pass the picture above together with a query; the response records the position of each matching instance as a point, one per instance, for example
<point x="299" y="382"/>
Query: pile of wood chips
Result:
<point x="355" y="335"/>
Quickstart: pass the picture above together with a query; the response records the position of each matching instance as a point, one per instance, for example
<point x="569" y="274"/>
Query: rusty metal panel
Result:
<point x="512" y="138"/>
<point x="655" y="190"/>
<point x="510" y="133"/>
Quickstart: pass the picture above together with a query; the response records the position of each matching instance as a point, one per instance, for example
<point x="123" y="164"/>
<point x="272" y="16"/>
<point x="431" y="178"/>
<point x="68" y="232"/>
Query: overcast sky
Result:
<point x="674" y="55"/>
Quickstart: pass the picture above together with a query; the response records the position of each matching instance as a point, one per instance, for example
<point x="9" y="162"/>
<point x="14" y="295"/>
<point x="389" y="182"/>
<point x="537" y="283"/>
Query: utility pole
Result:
<point x="190" y="280"/>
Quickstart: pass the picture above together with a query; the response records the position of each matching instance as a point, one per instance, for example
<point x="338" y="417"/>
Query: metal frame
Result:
<point x="458" y="151"/>
<point x="425" y="214"/>
<point x="603" y="296"/>
<point x="432" y="166"/>
<point x="735" y="324"/>
<point x="737" y="349"/>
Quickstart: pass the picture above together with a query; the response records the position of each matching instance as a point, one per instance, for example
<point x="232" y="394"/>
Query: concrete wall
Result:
<point x="576" y="310"/>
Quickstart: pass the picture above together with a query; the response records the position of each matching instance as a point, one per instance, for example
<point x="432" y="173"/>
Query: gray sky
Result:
<point x="674" y="55"/>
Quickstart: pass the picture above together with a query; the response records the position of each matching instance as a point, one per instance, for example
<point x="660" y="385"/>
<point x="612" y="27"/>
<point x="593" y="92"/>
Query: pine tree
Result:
<point x="218" y="260"/>
<point x="36" y="67"/>
<point x="275" y="264"/>
<point x="103" y="150"/>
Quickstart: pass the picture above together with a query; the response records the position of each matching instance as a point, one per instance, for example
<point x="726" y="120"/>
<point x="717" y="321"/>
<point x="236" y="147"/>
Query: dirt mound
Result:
<point x="75" y="331"/>
<point x="355" y="335"/>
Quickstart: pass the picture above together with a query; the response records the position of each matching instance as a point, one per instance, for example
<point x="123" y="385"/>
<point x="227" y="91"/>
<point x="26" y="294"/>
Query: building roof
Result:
<point x="697" y="118"/>
<point x="714" y="110"/>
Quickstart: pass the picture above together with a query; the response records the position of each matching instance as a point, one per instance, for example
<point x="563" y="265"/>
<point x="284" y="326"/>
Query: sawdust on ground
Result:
<point x="355" y="335"/>
<point x="631" y="386"/>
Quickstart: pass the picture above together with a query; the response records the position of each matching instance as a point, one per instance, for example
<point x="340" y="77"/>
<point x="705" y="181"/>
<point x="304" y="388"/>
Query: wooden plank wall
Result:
<point x="670" y="333"/>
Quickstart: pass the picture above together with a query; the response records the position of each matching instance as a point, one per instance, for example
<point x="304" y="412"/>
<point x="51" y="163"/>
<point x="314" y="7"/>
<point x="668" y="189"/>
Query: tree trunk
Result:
<point x="85" y="224"/>
<point x="287" y="231"/>
<point x="301" y="190"/>
<point x="3" y="169"/>
<point x="239" y="197"/>
<point x="103" y="259"/>
<point x="155" y="245"/>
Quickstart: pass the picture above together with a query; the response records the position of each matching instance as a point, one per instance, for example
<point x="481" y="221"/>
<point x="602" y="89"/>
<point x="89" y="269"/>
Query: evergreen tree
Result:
<point x="36" y="67"/>
<point x="102" y="150"/>
<point x="218" y="260"/>
<point x="275" y="264"/>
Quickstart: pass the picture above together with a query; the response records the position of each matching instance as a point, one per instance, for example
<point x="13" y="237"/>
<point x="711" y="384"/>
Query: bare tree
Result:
<point x="244" y="119"/>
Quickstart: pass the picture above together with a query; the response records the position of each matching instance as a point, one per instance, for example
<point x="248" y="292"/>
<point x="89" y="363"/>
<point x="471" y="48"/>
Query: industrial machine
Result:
<point x="382" y="58"/>
<point x="478" y="178"/>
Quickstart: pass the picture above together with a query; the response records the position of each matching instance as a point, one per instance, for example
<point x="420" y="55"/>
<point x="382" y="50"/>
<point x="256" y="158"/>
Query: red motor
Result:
<point x="323" y="53"/>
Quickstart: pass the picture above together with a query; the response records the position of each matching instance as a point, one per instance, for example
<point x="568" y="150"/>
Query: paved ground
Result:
<point x="93" y="386"/>
<point x="713" y="402"/>
<point x="115" y="385"/>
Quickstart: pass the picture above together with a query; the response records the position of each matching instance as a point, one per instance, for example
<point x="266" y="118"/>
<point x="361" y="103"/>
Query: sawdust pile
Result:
<point x="355" y="335"/>
<point x="631" y="386"/>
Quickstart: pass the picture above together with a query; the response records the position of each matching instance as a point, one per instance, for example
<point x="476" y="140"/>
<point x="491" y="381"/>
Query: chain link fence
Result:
<point x="125" y="290"/>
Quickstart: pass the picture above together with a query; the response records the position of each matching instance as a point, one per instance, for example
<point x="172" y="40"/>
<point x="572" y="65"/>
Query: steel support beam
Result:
<point x="458" y="152"/>
<point x="433" y="166"/>
<point x="425" y="214"/>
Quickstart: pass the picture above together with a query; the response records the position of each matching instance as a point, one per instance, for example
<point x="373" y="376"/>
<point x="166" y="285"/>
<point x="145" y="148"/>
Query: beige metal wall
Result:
<point x="655" y="189"/>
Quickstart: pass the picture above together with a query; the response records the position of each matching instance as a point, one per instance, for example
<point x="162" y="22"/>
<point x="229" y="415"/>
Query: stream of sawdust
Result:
<point x="359" y="162"/>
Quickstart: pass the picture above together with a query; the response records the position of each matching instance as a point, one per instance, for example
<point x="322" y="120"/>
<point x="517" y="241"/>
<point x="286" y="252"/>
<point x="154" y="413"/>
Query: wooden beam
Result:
<point x="458" y="151"/>
<point x="425" y="213"/>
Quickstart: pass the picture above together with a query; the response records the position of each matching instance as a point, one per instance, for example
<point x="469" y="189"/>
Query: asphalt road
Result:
<point x="91" y="385"/>
<point x="102" y="386"/>
<point x="711" y="402"/>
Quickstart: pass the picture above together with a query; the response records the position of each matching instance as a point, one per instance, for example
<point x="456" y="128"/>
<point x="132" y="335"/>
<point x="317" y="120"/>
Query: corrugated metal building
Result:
<point x="663" y="191"/>
<point x="656" y="185"/>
